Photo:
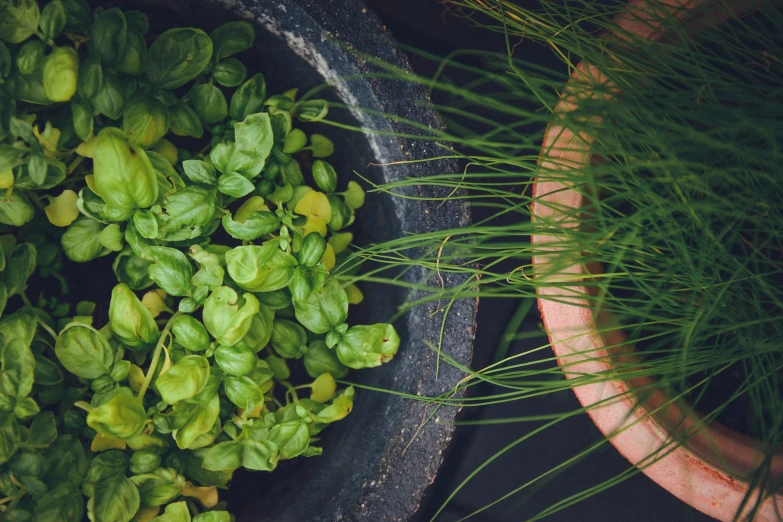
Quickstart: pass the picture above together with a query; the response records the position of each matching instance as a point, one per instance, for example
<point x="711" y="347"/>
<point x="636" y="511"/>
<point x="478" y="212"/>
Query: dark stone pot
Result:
<point x="378" y="462"/>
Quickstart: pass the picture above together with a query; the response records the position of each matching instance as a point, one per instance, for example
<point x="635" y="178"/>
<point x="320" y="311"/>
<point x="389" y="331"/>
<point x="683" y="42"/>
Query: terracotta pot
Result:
<point x="704" y="469"/>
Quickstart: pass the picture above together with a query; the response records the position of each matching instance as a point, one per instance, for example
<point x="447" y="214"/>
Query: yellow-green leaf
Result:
<point x="314" y="204"/>
<point x="62" y="210"/>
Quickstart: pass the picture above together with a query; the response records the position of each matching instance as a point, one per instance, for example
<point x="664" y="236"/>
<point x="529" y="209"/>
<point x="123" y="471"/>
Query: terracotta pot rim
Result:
<point x="703" y="470"/>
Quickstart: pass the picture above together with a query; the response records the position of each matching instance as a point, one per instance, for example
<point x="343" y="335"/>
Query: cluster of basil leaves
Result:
<point x="163" y="153"/>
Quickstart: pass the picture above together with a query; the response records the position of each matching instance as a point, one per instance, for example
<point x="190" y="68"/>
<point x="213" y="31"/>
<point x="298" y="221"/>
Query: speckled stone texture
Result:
<point x="378" y="462"/>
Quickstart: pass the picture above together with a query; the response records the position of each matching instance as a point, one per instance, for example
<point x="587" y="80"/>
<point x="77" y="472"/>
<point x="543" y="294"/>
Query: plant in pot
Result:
<point x="208" y="330"/>
<point x="655" y="239"/>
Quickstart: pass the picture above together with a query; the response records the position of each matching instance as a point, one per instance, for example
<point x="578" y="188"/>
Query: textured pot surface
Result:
<point x="701" y="472"/>
<point x="376" y="463"/>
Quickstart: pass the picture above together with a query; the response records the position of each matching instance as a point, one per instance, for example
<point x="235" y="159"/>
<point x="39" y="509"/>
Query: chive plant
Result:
<point x="683" y="208"/>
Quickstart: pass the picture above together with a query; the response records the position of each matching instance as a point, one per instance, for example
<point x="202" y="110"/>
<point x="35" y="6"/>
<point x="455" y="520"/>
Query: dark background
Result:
<point x="429" y="26"/>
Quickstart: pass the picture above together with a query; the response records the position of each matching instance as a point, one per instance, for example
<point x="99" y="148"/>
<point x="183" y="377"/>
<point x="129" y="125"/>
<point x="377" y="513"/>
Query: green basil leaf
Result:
<point x="178" y="56"/>
<point x="184" y="121"/>
<point x="81" y="241"/>
<point x="226" y="456"/>
<point x="64" y="503"/>
<point x="220" y="155"/>
<point x="176" y="512"/>
<point x="109" y="99"/>
<point x="280" y="103"/>
<point x="184" y="379"/>
<point x="15" y="209"/>
<point x="21" y="325"/>
<point x="155" y="490"/>
<point x="83" y="351"/>
<point x="279" y="367"/>
<point x="31" y="57"/>
<point x="257" y="337"/>
<point x="137" y="243"/>
<point x="108" y="464"/>
<point x="109" y="36"/>
<point x="354" y="195"/>
<point x="211" y="272"/>
<point x="124" y="176"/>
<point x="325" y="176"/>
<point x="249" y="98"/>
<point x="146" y="223"/>
<point x="18" y="20"/>
<point x="229" y="73"/>
<point x="67" y="456"/>
<point x="131" y="322"/>
<point x="111" y="237"/>
<point x="321" y="146"/>
<point x="235" y="185"/>
<point x="77" y="15"/>
<point x="242" y="391"/>
<point x="10" y="157"/>
<point x="339" y="409"/>
<point x="120" y="370"/>
<point x="368" y="346"/>
<point x="145" y="121"/>
<point x="288" y="339"/>
<point x="231" y="38"/>
<point x="42" y="431"/>
<point x="37" y="169"/>
<point x="16" y="369"/>
<point x="52" y="19"/>
<point x="116" y="500"/>
<point x="259" y="455"/>
<point x="291" y="436"/>
<point x="172" y="270"/>
<point x="134" y="55"/>
<point x="27" y="87"/>
<point x="227" y="317"/>
<point x="5" y="61"/>
<point x="312" y="110"/>
<point x="312" y="250"/>
<point x="325" y="309"/>
<point x="26" y="408"/>
<point x="235" y="360"/>
<point x="228" y="159"/>
<point x="83" y="120"/>
<point x="193" y="206"/>
<point x="9" y="437"/>
<point x="294" y="141"/>
<point x="121" y="417"/>
<point x="281" y="125"/>
<point x="208" y="103"/>
<point x="20" y="267"/>
<point x="200" y="172"/>
<point x="260" y="268"/>
<point x="213" y="516"/>
<point x="261" y="373"/>
<point x="254" y="135"/>
<point x="137" y="21"/>
<point x="200" y="418"/>
<point x="257" y="224"/>
<point x="320" y="360"/>
<point x="46" y="372"/>
<point x="132" y="270"/>
<point x="190" y="333"/>
<point x="144" y="462"/>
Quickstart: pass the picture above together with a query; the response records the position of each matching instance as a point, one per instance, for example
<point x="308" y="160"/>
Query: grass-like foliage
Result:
<point x="681" y="203"/>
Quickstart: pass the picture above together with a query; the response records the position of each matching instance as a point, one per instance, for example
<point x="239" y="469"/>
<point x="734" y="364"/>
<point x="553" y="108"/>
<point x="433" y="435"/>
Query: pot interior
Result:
<point x="365" y="472"/>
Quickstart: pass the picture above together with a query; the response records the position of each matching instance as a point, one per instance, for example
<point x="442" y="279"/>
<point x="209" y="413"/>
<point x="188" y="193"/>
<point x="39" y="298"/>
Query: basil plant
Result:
<point x="221" y="224"/>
